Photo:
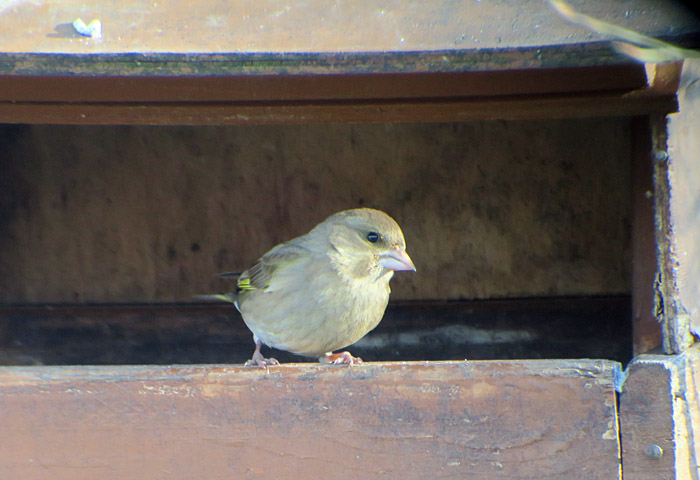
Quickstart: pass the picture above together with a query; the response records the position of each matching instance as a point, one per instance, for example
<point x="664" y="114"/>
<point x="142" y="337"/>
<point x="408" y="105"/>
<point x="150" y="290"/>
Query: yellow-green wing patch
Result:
<point x="259" y="276"/>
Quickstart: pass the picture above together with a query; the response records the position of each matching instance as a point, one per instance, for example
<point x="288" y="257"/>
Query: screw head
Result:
<point x="660" y="156"/>
<point x="654" y="452"/>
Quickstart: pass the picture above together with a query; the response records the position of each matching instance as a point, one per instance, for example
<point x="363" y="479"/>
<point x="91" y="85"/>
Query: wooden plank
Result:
<point x="528" y="419"/>
<point x="72" y="70"/>
<point x="328" y="87"/>
<point x="649" y="159"/>
<point x="419" y="97"/>
<point x="217" y="26"/>
<point x="646" y="329"/>
<point x="677" y="209"/>
<point x="687" y="414"/>
<point x="264" y="99"/>
<point x="664" y="286"/>
<point x="646" y="422"/>
<point x="455" y="110"/>
<point x="660" y="417"/>
<point x="684" y="182"/>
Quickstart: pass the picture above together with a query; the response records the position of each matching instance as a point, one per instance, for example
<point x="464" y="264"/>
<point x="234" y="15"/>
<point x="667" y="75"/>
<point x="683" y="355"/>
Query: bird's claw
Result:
<point x="262" y="363"/>
<point x="340" y="358"/>
<point x="259" y="361"/>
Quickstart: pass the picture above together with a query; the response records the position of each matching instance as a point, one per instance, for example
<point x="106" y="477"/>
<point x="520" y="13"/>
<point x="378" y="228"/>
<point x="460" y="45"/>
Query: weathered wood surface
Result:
<point x="528" y="419"/>
<point x="660" y="417"/>
<point x="621" y="104"/>
<point x="273" y="26"/>
<point x="319" y="52"/>
<point x="646" y="421"/>
<point x="616" y="90"/>
<point x="145" y="214"/>
<point x="681" y="269"/>
<point x="612" y="79"/>
<point x="646" y="328"/>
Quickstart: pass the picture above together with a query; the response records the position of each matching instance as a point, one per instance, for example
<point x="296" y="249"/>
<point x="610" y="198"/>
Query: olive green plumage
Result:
<point x="324" y="290"/>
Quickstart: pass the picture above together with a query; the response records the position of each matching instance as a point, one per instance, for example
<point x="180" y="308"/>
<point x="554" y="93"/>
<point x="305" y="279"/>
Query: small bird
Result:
<point x="322" y="291"/>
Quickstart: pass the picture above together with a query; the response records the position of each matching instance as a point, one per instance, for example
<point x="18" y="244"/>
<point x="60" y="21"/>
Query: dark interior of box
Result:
<point x="520" y="232"/>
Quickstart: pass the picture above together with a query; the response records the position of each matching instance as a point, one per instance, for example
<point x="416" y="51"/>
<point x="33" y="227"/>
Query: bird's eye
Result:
<point x="372" y="237"/>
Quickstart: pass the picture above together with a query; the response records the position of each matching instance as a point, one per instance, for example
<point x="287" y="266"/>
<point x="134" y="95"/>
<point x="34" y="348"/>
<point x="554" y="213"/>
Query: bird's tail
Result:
<point x="221" y="297"/>
<point x="229" y="274"/>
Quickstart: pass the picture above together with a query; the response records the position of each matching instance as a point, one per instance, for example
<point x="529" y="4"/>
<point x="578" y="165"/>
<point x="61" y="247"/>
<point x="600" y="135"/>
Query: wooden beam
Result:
<point x="405" y="97"/>
<point x="323" y="87"/>
<point x="664" y="286"/>
<point x="683" y="266"/>
<point x="355" y="64"/>
<point x="649" y="167"/>
<point x="646" y="328"/>
<point x="318" y="26"/>
<point x="660" y="417"/>
<point x="455" y="110"/>
<point x="527" y="419"/>
<point x="646" y="422"/>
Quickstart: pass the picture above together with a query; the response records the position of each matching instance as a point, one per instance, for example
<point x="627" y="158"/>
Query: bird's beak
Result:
<point x="397" y="259"/>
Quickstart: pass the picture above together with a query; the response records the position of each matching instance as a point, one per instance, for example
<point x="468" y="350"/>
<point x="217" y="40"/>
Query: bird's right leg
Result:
<point x="340" y="358"/>
<point x="258" y="360"/>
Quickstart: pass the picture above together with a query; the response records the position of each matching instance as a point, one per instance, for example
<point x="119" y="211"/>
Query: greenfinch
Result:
<point x="322" y="291"/>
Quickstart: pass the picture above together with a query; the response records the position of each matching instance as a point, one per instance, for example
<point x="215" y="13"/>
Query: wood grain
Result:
<point x="646" y="420"/>
<point x="527" y="419"/>
<point x="646" y="328"/>
<point x="223" y="86"/>
<point x="660" y="417"/>
<point x="273" y="26"/>
<point x="423" y="111"/>
<point x="121" y="214"/>
<point x="684" y="150"/>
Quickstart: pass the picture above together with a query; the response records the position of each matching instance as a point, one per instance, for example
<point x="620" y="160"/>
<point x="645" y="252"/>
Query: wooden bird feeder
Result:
<point x="548" y="188"/>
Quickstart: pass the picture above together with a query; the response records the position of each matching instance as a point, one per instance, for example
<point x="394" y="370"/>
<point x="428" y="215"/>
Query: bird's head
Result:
<point x="368" y="239"/>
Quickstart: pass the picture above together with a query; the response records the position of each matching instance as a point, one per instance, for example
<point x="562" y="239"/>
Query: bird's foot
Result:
<point x="262" y="362"/>
<point x="340" y="358"/>
<point x="259" y="361"/>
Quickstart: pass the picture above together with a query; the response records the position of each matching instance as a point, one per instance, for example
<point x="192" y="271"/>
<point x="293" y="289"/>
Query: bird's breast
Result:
<point x="322" y="313"/>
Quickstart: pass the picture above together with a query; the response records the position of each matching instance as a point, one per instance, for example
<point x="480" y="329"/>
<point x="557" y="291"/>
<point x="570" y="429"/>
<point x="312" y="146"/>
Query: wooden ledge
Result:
<point x="525" y="419"/>
<point x="267" y="63"/>
<point x="660" y="416"/>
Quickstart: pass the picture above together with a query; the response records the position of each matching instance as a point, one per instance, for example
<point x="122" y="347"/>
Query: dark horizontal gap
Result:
<point x="565" y="327"/>
<point x="594" y="94"/>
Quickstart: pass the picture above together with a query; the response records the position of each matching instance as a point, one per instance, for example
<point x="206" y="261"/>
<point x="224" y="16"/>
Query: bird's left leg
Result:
<point x="258" y="359"/>
<point x="340" y="358"/>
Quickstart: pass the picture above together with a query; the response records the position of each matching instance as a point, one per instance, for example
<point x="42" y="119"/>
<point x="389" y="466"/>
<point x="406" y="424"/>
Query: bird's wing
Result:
<point x="273" y="263"/>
